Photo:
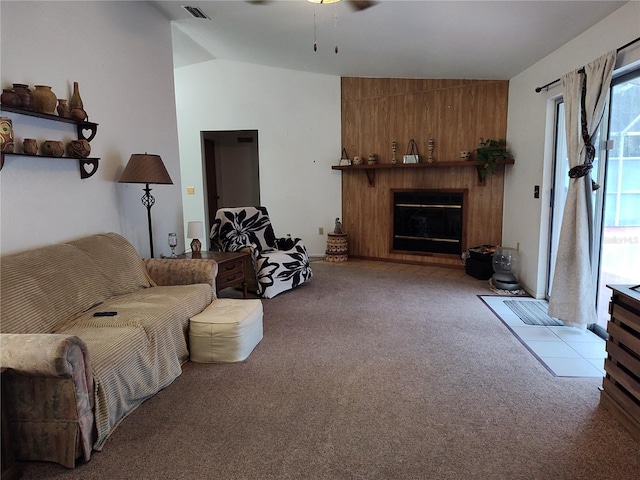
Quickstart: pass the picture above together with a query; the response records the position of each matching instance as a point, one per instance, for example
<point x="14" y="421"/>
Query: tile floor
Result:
<point x="564" y="351"/>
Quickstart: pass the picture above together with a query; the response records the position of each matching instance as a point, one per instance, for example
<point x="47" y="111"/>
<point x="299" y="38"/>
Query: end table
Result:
<point x="231" y="268"/>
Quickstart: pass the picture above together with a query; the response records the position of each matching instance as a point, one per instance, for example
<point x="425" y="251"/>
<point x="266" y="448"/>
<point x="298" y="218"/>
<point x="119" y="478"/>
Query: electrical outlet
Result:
<point x="191" y="190"/>
<point x="320" y="231"/>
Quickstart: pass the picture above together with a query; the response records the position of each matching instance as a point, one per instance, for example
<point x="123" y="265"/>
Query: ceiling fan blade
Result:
<point x="360" y="5"/>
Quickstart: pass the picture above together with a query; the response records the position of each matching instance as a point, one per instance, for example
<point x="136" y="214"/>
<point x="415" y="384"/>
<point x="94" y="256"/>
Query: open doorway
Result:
<point x="230" y="170"/>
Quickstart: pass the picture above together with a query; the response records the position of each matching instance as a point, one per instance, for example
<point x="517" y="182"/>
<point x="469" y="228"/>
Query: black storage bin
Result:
<point x="479" y="264"/>
<point x="480" y="269"/>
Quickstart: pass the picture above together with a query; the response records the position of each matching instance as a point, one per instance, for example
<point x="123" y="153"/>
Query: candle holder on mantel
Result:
<point x="394" y="146"/>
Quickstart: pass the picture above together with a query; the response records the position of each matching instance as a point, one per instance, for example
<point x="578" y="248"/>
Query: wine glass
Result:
<point x="173" y="242"/>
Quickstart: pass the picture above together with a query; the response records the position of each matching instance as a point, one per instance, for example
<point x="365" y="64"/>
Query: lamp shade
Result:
<point x="145" y="168"/>
<point x="195" y="230"/>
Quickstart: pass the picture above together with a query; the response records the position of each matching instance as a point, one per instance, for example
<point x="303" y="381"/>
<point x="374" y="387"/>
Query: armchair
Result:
<point x="279" y="264"/>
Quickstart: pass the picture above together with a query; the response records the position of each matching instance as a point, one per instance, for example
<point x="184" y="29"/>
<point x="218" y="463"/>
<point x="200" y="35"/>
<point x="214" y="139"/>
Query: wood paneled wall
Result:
<point x="456" y="114"/>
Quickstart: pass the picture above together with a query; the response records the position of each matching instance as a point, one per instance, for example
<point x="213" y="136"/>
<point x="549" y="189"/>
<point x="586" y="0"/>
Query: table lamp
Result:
<point x="195" y="230"/>
<point x="146" y="168"/>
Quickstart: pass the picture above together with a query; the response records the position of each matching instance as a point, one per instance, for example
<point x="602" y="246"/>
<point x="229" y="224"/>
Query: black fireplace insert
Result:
<point x="428" y="221"/>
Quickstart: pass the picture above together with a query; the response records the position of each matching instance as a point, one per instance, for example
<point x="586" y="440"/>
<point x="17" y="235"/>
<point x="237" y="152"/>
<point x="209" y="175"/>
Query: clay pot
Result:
<point x="30" y="146"/>
<point x="52" y="148"/>
<point x="63" y="108"/>
<point x="6" y="135"/>
<point x="26" y="97"/>
<point x="78" y="148"/>
<point x="10" y="98"/>
<point x="78" y="113"/>
<point x="44" y="100"/>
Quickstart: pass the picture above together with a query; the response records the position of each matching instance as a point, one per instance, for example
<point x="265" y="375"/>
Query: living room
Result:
<point x="128" y="82"/>
<point x="120" y="53"/>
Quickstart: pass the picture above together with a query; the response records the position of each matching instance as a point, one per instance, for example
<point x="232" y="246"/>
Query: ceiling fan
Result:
<point x="357" y="5"/>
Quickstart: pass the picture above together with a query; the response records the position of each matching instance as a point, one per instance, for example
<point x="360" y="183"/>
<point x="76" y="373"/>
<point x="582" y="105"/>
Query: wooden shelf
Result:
<point x="370" y="169"/>
<point x="88" y="166"/>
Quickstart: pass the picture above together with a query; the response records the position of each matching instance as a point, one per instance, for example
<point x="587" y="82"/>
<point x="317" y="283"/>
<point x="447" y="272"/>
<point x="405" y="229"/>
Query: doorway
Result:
<point x="230" y="169"/>
<point x="616" y="216"/>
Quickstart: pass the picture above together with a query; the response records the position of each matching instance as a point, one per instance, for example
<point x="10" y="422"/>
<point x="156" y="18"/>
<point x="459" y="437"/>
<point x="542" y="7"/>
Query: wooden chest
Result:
<point x="621" y="384"/>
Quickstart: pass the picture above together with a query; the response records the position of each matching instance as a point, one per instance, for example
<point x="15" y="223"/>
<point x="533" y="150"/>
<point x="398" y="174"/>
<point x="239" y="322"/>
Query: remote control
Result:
<point x="105" y="314"/>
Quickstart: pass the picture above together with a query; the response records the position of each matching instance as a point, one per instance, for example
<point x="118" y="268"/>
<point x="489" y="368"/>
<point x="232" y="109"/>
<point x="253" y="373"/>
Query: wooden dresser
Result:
<point x="621" y="384"/>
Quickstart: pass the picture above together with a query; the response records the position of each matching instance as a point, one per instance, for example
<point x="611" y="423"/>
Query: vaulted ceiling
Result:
<point x="392" y="38"/>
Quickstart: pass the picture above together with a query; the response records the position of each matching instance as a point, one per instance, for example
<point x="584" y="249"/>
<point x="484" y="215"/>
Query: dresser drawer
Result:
<point x="230" y="273"/>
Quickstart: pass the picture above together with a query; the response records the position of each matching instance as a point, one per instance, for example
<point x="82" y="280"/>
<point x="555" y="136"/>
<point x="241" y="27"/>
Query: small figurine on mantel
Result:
<point x="338" y="228"/>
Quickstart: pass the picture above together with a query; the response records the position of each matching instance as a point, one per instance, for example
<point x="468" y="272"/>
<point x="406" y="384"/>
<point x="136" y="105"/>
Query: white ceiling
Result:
<point x="394" y="38"/>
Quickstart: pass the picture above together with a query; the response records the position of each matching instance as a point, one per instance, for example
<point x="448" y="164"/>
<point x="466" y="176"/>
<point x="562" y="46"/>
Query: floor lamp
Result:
<point x="146" y="168"/>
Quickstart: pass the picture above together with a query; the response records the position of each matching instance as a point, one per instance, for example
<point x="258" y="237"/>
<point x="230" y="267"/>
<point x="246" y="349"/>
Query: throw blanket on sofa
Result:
<point x="144" y="339"/>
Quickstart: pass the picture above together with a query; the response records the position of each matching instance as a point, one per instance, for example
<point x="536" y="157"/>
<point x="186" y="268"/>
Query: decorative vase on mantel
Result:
<point x="44" y="100"/>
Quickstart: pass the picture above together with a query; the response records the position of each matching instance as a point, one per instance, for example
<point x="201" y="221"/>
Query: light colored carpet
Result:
<point x="367" y="373"/>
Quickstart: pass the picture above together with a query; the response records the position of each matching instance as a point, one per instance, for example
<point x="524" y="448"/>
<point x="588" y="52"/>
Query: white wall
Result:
<point x="530" y="137"/>
<point x="297" y="115"/>
<point x="121" y="55"/>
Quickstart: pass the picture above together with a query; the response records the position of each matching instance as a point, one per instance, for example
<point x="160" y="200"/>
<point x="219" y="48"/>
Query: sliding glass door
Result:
<point x="616" y="213"/>
<point x="620" y="245"/>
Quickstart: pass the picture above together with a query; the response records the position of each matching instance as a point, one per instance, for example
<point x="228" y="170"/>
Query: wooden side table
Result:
<point x="231" y="268"/>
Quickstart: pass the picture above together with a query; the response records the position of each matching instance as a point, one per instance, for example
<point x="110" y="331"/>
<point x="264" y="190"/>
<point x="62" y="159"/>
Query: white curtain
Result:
<point x="573" y="297"/>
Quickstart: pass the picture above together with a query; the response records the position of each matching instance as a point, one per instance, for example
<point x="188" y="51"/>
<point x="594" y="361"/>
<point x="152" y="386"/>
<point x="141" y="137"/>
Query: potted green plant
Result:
<point x="489" y="154"/>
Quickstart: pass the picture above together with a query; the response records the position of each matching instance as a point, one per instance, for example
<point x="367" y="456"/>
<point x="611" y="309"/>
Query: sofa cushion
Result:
<point x="117" y="261"/>
<point x="40" y="288"/>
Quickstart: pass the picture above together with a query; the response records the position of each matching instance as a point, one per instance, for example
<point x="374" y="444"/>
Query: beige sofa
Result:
<point x="74" y="376"/>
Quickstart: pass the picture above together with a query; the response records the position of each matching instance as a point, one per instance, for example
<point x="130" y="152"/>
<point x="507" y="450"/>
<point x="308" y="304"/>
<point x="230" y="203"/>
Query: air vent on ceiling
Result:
<point x="195" y="12"/>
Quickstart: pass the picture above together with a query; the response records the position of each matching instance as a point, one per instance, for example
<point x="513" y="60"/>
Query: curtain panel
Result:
<point x="573" y="296"/>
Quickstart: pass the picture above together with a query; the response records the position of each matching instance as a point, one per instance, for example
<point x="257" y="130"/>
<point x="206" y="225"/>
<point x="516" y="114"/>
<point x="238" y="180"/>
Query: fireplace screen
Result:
<point x="428" y="221"/>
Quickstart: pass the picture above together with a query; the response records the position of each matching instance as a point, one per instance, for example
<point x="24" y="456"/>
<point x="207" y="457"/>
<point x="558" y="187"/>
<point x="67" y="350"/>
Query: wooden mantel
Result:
<point x="456" y="114"/>
<point x="371" y="176"/>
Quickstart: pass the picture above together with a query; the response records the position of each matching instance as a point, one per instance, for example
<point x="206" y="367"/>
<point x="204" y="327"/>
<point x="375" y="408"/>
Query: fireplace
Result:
<point x="428" y="221"/>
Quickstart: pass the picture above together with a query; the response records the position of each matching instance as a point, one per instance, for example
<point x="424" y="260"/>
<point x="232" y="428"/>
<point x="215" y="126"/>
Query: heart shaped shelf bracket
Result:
<point x="87" y="130"/>
<point x="88" y="166"/>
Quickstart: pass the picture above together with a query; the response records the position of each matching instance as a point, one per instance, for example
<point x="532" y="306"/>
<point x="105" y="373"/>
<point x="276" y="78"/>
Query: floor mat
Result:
<point x="533" y="312"/>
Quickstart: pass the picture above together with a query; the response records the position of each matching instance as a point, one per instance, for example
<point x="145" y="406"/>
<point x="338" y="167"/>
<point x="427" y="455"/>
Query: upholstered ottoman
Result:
<point x="226" y="331"/>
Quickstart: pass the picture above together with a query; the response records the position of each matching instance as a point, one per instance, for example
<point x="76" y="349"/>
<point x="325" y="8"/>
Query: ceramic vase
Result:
<point x="78" y="113"/>
<point x="44" y="100"/>
<point x="26" y="97"/>
<point x="78" y="148"/>
<point x="6" y="135"/>
<point x="53" y="148"/>
<point x="30" y="146"/>
<point x="75" y="100"/>
<point x="10" y="98"/>
<point x="63" y="108"/>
